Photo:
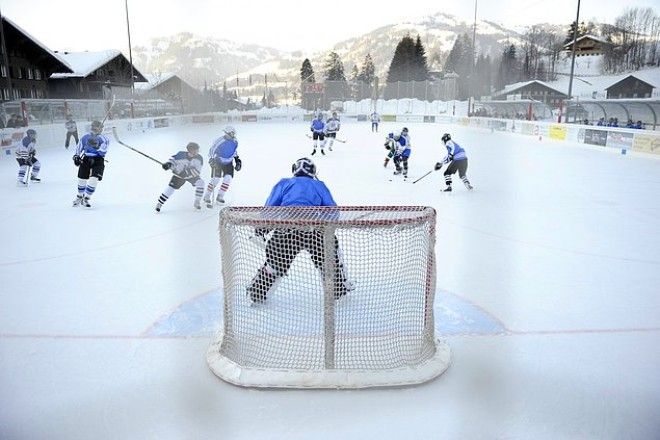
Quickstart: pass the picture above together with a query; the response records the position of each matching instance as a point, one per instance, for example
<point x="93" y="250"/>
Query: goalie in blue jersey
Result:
<point x="284" y="244"/>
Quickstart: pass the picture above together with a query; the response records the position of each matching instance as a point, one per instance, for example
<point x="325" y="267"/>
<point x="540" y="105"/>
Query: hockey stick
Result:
<point x="114" y="133"/>
<point x="424" y="176"/>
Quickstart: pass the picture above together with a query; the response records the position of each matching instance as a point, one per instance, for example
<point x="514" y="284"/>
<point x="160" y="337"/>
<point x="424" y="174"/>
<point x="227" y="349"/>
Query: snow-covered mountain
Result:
<point x="200" y="59"/>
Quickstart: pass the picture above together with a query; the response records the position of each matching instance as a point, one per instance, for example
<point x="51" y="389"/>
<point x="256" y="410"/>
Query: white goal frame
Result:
<point x="224" y="355"/>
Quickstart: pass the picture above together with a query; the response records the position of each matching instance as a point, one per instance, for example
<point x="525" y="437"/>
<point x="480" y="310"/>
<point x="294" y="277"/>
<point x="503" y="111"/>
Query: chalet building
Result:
<point x="630" y="87"/>
<point x="171" y="88"/>
<point x="534" y="90"/>
<point x="26" y="65"/>
<point x="588" y="45"/>
<point x="95" y="75"/>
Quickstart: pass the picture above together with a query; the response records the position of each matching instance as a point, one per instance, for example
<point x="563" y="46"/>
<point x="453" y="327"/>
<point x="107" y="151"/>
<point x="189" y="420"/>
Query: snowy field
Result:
<point x="548" y="294"/>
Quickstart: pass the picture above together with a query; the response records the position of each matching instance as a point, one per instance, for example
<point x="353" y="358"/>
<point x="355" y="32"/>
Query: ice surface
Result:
<point x="548" y="294"/>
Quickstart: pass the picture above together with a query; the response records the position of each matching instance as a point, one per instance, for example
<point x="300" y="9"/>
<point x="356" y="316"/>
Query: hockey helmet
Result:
<point x="334" y="114"/>
<point x="192" y="147"/>
<point x="304" y="167"/>
<point x="404" y="130"/>
<point x="31" y="133"/>
<point x="97" y="127"/>
<point x="446" y="138"/>
<point x="230" y="131"/>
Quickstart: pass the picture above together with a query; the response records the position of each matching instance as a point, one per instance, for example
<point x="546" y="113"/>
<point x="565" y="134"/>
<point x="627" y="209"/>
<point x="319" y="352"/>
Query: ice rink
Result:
<point x="548" y="294"/>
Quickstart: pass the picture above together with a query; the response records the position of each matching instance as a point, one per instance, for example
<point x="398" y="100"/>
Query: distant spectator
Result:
<point x="639" y="125"/>
<point x="616" y="122"/>
<point x="630" y="124"/>
<point x="586" y="122"/>
<point x="71" y="130"/>
<point x="601" y="122"/>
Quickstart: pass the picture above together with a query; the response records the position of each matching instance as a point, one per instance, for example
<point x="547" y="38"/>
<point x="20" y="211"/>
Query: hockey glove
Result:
<point x="438" y="165"/>
<point x="77" y="160"/>
<point x="213" y="162"/>
<point x="239" y="164"/>
<point x="167" y="165"/>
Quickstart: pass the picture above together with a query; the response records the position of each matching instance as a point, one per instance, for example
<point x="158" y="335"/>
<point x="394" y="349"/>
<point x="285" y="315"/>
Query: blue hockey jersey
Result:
<point x="317" y="126"/>
<point x="86" y="149"/>
<point x="454" y="152"/>
<point x="223" y="150"/>
<point x="300" y="191"/>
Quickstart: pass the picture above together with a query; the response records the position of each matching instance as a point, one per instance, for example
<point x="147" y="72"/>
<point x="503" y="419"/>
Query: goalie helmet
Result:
<point x="192" y="147"/>
<point x="230" y="131"/>
<point x="97" y="127"/>
<point x="446" y="138"/>
<point x="304" y="167"/>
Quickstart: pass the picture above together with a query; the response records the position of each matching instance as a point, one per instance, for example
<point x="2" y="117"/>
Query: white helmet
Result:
<point x="230" y="131"/>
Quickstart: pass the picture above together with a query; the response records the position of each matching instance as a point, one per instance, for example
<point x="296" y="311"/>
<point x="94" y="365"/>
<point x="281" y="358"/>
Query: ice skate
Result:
<point x="77" y="201"/>
<point x="158" y="206"/>
<point x="85" y="202"/>
<point x="468" y="185"/>
<point x="197" y="204"/>
<point x="448" y="189"/>
<point x="34" y="179"/>
<point x="322" y="152"/>
<point x="21" y="184"/>
<point x="220" y="200"/>
<point x="313" y="152"/>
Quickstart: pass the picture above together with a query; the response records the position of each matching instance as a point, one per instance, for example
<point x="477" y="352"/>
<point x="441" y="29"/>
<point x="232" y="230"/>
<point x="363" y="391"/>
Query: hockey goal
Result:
<point x="331" y="297"/>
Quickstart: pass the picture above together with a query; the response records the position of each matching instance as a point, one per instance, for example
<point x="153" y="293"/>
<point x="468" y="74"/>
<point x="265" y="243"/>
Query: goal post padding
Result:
<point x="351" y="306"/>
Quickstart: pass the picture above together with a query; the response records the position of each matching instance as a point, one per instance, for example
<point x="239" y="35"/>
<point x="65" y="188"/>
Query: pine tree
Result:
<point x="368" y="72"/>
<point x="421" y="66"/>
<point x="401" y="67"/>
<point x="354" y="73"/>
<point x="307" y="72"/>
<point x="334" y="68"/>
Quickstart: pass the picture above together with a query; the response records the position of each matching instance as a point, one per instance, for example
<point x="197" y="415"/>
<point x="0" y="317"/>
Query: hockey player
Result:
<point x="90" y="160"/>
<point x="26" y="158"/>
<point x="187" y="167"/>
<point x="457" y="160"/>
<point x="399" y="152"/>
<point x="222" y="157"/>
<point x="375" y="120"/>
<point x="283" y="245"/>
<point x="390" y="155"/>
<point x="332" y="126"/>
<point x="71" y="131"/>
<point x="318" y="132"/>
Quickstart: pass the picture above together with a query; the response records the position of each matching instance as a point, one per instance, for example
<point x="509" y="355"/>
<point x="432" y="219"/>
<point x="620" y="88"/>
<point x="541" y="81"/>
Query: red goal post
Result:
<point x="351" y="304"/>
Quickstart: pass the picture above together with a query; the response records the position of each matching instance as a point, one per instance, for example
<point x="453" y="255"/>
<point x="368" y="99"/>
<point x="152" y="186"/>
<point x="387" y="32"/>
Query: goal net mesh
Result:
<point x="311" y="292"/>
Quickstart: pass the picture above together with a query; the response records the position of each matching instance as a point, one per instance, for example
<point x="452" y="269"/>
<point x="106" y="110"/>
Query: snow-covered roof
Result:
<point x="651" y="77"/>
<point x="519" y="85"/>
<point x="154" y="80"/>
<point x="589" y="36"/>
<point x="84" y="63"/>
<point x="66" y="67"/>
<point x="596" y="85"/>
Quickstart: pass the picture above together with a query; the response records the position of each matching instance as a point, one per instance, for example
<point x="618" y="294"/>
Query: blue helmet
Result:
<point x="304" y="167"/>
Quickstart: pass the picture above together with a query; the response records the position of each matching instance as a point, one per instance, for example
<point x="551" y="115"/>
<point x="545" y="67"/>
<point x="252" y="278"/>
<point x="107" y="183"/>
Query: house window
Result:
<point x="37" y="74"/>
<point x="17" y="94"/>
<point x="3" y="71"/>
<point x="19" y="72"/>
<point x="30" y="74"/>
<point x="5" y="94"/>
<point x="33" y="93"/>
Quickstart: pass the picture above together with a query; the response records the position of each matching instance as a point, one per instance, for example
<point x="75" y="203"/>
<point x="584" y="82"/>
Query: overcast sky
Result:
<point x="78" y="25"/>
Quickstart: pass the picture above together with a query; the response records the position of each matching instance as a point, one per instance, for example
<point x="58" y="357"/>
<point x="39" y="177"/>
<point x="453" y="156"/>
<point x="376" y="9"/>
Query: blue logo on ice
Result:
<point x="202" y="316"/>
